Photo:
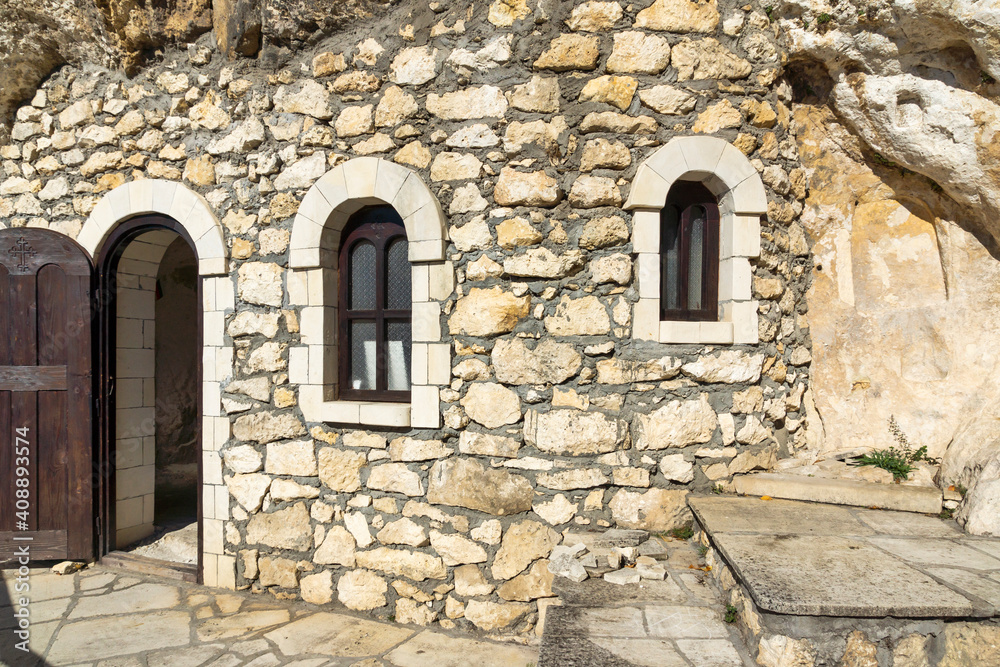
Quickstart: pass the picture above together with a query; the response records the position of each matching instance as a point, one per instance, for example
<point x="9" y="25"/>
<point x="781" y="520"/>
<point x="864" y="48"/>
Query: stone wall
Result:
<point x="528" y="121"/>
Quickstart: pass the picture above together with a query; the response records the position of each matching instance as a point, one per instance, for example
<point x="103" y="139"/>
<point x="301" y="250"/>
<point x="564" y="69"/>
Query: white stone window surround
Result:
<point x="312" y="284"/>
<point x="724" y="170"/>
<point x="173" y="199"/>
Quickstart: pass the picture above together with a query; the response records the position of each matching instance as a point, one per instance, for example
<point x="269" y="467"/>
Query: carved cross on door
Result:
<point x="23" y="251"/>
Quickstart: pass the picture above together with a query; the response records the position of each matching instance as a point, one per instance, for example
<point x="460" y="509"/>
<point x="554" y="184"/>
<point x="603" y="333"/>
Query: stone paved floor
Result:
<point x="106" y="618"/>
<point x="677" y="622"/>
<point x="874" y="562"/>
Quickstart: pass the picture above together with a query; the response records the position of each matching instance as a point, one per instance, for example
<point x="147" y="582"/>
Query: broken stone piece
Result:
<point x="623" y="576"/>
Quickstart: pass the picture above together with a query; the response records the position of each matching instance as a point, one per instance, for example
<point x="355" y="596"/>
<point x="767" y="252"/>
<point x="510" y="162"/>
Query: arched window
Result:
<point x="689" y="254"/>
<point x="375" y="307"/>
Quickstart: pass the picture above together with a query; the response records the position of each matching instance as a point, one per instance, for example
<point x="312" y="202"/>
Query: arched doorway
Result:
<point x="151" y="393"/>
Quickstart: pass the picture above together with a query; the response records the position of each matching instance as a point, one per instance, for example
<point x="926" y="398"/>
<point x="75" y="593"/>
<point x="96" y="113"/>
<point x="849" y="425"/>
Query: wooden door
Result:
<point x="46" y="454"/>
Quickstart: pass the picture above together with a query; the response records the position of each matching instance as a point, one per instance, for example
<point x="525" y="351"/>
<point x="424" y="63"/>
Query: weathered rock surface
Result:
<point x="466" y="483"/>
<point x="573" y="432"/>
<point x="549" y="362"/>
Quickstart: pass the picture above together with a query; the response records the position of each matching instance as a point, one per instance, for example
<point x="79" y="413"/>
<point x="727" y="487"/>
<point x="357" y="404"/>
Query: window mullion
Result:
<point x="381" y="377"/>
<point x="684" y="258"/>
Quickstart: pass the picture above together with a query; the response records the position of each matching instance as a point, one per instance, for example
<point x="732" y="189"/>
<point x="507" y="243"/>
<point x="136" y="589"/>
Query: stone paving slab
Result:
<point x="834" y="576"/>
<point x="106" y="618"/>
<point x="811" y="559"/>
<point x="775" y="517"/>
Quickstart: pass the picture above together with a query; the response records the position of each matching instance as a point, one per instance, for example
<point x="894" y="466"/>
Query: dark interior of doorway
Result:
<point x="175" y="519"/>
<point x="176" y="501"/>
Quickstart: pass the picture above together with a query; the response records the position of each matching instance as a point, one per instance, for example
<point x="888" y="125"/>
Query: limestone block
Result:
<point x="487" y="312"/>
<point x="355" y="121"/>
<point x="655" y="510"/>
<point x="317" y="588"/>
<point x="517" y="232"/>
<point x="394" y="107"/>
<point x="491" y="404"/>
<point x="338" y="548"/>
<point x="248" y="489"/>
<point x="585" y="316"/>
<point x="637" y="52"/>
<point x="679" y="16"/>
<point x="310" y="98"/>
<point x="395" y="478"/>
<point x="569" y="52"/>
<point x="266" y="426"/>
<point x="414" y="565"/>
<point x="260" y="283"/>
<point x="523" y="543"/>
<point x="466" y="483"/>
<point x="668" y="100"/>
<point x="536" y="188"/>
<point x="503" y="13"/>
<point x="594" y="191"/>
<point x="729" y="367"/>
<point x="361" y="590"/>
<point x="574" y="433"/>
<point x="541" y="94"/>
<point x="614" y="90"/>
<point x="543" y="263"/>
<point x="341" y="470"/>
<point x="676" y="423"/>
<point x="481" y="102"/>
<point x="484" y="444"/>
<point x="707" y="59"/>
<point x="470" y="582"/>
<point x="455" y="549"/>
<point x="557" y="511"/>
<point x="291" y="458"/>
<point x="570" y="480"/>
<point x="284" y="529"/>
<point x="594" y="16"/>
<point x="403" y="531"/>
<point x="455" y="167"/>
<point x="619" y="370"/>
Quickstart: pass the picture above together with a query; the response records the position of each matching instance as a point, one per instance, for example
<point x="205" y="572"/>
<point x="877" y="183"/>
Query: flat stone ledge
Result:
<point x="836" y="576"/>
<point x="841" y="492"/>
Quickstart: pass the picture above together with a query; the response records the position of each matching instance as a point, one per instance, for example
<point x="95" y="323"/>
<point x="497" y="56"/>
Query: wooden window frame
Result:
<point x="683" y="197"/>
<point x="380" y="226"/>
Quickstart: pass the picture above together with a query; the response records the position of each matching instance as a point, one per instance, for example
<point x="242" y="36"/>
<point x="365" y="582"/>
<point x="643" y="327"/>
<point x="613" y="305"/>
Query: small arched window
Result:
<point x="374" y="311"/>
<point x="689" y="254"/>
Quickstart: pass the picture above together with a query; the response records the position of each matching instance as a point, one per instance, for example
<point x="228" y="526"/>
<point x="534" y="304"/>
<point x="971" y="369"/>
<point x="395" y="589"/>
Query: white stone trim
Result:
<point x="190" y="209"/>
<point x="312" y="285"/>
<point x="169" y="198"/>
<point x="724" y="170"/>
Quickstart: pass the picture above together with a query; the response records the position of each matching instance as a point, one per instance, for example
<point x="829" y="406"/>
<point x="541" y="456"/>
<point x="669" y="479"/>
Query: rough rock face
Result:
<point x="916" y="82"/>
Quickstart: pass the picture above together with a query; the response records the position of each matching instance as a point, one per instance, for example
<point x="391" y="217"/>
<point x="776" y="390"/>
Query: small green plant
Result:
<point x="899" y="459"/>
<point x="702" y="550"/>
<point x="987" y="79"/>
<point x="885" y="162"/>
<point x="946" y="513"/>
<point x="805" y="23"/>
<point x="768" y="10"/>
<point x="823" y="18"/>
<point x="718" y="489"/>
<point x="961" y="489"/>
<point x="731" y="612"/>
<point x="682" y="533"/>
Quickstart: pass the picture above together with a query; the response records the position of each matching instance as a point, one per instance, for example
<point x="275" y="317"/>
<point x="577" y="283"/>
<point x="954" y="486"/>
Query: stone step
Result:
<point x="922" y="499"/>
<point x="120" y="560"/>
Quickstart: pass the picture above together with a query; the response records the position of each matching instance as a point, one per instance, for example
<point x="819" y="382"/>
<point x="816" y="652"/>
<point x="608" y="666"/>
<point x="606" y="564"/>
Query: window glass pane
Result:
<point x="696" y="257"/>
<point x="363" y="355"/>
<point x="398" y="361"/>
<point x="397" y="285"/>
<point x="670" y="259"/>
<point x="362" y="277"/>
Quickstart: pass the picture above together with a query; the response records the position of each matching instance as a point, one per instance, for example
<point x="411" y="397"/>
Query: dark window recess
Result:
<point x="374" y="309"/>
<point x="689" y="254"/>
